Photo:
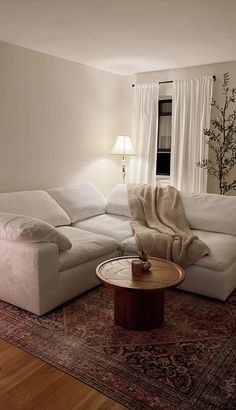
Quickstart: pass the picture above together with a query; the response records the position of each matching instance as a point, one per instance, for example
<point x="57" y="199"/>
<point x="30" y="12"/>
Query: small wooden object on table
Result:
<point x="139" y="300"/>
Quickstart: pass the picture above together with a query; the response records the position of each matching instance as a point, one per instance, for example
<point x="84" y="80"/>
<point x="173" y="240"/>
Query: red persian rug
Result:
<point x="189" y="362"/>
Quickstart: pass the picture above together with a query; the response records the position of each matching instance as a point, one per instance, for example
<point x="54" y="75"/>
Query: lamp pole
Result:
<point x="123" y="168"/>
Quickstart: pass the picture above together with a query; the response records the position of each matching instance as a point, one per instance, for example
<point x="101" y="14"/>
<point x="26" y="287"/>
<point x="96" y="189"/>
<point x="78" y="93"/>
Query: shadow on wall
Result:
<point x="104" y="173"/>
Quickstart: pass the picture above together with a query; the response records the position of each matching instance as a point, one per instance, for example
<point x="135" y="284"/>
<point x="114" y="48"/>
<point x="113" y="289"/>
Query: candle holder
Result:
<point x="137" y="267"/>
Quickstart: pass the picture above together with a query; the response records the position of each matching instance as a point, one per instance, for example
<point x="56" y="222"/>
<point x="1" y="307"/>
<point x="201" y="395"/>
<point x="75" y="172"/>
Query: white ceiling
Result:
<point x="124" y="36"/>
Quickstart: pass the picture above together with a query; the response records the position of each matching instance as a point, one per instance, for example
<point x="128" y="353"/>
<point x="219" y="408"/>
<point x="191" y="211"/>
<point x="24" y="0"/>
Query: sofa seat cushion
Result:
<point x="129" y="247"/>
<point x="115" y="226"/>
<point x="209" y="282"/>
<point x="38" y="204"/>
<point x="86" y="246"/>
<point x="80" y="201"/>
<point x="222" y="249"/>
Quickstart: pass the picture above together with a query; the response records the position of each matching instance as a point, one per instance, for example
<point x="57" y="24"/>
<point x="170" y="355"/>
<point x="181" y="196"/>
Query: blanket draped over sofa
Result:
<point x="160" y="225"/>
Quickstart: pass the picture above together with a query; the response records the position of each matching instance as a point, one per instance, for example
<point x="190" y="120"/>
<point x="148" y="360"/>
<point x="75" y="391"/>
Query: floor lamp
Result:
<point x="123" y="146"/>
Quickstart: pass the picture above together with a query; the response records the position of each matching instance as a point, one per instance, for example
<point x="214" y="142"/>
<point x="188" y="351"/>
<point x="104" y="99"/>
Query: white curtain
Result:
<point x="190" y="115"/>
<point x="144" y="133"/>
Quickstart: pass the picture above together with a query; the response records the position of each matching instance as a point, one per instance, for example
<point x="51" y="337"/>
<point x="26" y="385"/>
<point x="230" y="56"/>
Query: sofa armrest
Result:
<point x="28" y="274"/>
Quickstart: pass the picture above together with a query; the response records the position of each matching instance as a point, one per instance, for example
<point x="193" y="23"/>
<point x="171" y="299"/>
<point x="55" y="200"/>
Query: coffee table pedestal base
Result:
<point x="138" y="310"/>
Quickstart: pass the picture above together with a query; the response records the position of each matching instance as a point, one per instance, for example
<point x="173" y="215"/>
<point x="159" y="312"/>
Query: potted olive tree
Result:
<point x="221" y="138"/>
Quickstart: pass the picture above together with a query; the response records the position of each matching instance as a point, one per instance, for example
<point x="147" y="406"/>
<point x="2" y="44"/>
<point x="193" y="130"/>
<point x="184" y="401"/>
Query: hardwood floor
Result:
<point x="28" y="383"/>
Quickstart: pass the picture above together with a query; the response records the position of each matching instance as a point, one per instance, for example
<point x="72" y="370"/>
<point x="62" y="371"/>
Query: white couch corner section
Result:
<point x="29" y="275"/>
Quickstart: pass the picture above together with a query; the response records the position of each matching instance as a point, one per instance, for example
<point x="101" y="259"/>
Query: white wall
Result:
<point x="188" y="73"/>
<point x="58" y="121"/>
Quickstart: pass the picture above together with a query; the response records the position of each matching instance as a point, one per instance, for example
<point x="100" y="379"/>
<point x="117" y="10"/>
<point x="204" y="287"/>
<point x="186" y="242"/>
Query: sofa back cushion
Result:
<point x="37" y="204"/>
<point x="117" y="201"/>
<point x="80" y="201"/>
<point x="210" y="212"/>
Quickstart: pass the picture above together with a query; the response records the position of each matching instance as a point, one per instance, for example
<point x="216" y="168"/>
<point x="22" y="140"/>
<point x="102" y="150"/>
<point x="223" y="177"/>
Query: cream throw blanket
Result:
<point x="160" y="225"/>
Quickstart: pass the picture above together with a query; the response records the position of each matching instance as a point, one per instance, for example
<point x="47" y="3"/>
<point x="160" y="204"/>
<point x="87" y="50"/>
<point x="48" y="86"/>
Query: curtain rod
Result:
<point x="171" y="81"/>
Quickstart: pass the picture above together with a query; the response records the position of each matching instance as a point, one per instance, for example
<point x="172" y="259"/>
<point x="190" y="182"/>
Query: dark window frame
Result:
<point x="163" y="154"/>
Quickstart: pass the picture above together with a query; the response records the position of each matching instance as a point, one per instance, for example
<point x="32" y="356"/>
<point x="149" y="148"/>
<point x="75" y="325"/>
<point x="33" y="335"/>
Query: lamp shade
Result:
<point x="122" y="146"/>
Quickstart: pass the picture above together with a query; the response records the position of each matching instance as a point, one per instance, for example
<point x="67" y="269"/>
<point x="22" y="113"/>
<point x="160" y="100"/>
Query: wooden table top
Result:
<point x="163" y="274"/>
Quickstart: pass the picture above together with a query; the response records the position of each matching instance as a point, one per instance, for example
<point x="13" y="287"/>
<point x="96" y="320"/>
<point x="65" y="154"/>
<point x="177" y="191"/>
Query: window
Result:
<point x="164" y="137"/>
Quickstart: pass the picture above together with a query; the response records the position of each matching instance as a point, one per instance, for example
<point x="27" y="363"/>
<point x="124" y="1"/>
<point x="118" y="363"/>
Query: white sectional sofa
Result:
<point x="37" y="276"/>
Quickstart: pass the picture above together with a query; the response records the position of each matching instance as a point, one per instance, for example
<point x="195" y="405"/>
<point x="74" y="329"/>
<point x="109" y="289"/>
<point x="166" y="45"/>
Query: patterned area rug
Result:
<point x="189" y="362"/>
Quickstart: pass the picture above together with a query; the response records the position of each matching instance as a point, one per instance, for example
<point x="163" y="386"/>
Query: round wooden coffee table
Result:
<point x="139" y="300"/>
